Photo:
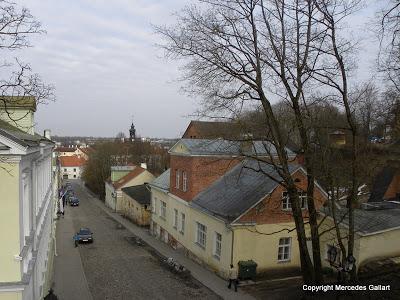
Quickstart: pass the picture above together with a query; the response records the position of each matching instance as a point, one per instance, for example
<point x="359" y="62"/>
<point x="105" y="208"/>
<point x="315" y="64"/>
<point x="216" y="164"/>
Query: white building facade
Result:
<point x="28" y="190"/>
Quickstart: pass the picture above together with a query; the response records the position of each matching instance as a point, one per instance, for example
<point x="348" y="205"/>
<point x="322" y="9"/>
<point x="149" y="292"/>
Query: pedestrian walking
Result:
<point x="76" y="240"/>
<point x="233" y="278"/>
<point x="51" y="295"/>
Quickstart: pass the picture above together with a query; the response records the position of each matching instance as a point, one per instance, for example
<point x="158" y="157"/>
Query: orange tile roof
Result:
<point x="128" y="177"/>
<point x="72" y="161"/>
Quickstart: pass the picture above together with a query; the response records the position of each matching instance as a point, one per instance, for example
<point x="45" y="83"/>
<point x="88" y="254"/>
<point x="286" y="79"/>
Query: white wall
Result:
<point x="71" y="172"/>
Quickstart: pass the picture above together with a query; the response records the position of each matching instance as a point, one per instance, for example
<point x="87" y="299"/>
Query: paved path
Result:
<point x="69" y="277"/>
<point x="206" y="277"/>
<point x="115" y="267"/>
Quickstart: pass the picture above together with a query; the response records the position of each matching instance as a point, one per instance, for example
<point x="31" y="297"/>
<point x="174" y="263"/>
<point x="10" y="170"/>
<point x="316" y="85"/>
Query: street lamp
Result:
<point x="347" y="266"/>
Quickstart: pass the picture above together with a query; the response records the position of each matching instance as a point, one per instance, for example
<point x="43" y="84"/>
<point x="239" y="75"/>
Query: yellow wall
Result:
<point x="385" y="244"/>
<point x="24" y="118"/>
<point x="10" y="296"/>
<point x="263" y="249"/>
<point x="142" y="178"/>
<point x="188" y="238"/>
<point x="135" y="211"/>
<point x="367" y="247"/>
<point x="9" y="222"/>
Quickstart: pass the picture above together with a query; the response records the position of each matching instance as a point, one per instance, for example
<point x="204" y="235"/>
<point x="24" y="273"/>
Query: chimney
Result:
<point x="19" y="112"/>
<point x="47" y="134"/>
<point x="246" y="144"/>
<point x="143" y="165"/>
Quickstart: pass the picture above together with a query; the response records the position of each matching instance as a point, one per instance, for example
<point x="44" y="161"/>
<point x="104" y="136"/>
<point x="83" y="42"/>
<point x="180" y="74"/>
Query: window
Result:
<point x="74" y="169"/>
<point x="153" y="205"/>
<point x="163" y="209"/>
<point x="201" y="235"/>
<point x="285" y="201"/>
<point x="217" y="245"/>
<point x="74" y="176"/>
<point x="303" y="199"/>
<point x="286" y="205"/>
<point x="184" y="181"/>
<point x="65" y="169"/>
<point x="182" y="229"/>
<point x="177" y="178"/>
<point x="175" y="218"/>
<point x="284" y="249"/>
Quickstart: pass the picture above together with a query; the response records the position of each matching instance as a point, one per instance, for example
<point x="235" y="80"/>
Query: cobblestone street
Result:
<point x="116" y="268"/>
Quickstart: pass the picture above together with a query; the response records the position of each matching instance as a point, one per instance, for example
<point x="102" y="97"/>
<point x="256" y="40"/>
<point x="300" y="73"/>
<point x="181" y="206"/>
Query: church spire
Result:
<point x="132" y="132"/>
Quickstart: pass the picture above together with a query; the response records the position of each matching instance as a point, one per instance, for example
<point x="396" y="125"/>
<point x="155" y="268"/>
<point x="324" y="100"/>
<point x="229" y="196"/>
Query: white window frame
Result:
<point x="284" y="249"/>
<point x="184" y="181"/>
<point x="286" y="205"/>
<point x="183" y="220"/>
<point x="217" y="245"/>
<point x="163" y="209"/>
<point x="201" y="235"/>
<point x="175" y="220"/>
<point x="177" y="179"/>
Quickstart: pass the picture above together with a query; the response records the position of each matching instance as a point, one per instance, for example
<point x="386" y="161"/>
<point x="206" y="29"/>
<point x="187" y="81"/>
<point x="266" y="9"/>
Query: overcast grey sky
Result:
<point x="100" y="56"/>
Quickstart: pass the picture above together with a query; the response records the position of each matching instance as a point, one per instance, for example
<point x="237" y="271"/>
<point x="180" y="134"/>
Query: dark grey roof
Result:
<point x="238" y="190"/>
<point x="227" y="147"/>
<point x="162" y="181"/>
<point x="370" y="221"/>
<point x="140" y="193"/>
<point x="381" y="183"/>
<point x="21" y="137"/>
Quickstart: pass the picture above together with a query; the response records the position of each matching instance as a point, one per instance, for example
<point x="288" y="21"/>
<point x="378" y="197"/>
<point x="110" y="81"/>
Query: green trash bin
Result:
<point x="247" y="269"/>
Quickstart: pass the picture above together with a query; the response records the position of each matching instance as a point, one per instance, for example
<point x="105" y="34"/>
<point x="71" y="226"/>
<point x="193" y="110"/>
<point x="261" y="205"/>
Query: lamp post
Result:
<point x="347" y="266"/>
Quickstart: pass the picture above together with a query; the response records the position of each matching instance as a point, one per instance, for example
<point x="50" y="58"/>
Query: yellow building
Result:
<point x="28" y="193"/>
<point x="377" y="227"/>
<point x="238" y="216"/>
<point x="123" y="176"/>
<point x="135" y="204"/>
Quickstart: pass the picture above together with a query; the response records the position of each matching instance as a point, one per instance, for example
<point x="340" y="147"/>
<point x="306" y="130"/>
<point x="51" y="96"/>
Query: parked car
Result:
<point x="73" y="201"/>
<point x="84" y="235"/>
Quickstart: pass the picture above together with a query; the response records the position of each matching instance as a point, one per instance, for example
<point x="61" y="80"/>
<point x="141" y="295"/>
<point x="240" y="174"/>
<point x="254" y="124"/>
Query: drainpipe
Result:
<point x="233" y="241"/>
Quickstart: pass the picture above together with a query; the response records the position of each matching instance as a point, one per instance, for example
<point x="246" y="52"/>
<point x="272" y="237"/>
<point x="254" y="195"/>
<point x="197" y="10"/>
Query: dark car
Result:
<point x="73" y="201"/>
<point x="84" y="235"/>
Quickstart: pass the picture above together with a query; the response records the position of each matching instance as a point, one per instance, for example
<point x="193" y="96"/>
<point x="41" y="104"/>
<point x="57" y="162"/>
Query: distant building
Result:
<point x="71" y="167"/>
<point x="28" y="193"/>
<point x="211" y="130"/>
<point x="65" y="151"/>
<point x="337" y="137"/>
<point x="123" y="176"/>
<point x="386" y="185"/>
<point x="135" y="204"/>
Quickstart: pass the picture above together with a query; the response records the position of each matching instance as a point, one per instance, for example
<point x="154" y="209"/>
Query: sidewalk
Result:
<point x="69" y="276"/>
<point x="206" y="277"/>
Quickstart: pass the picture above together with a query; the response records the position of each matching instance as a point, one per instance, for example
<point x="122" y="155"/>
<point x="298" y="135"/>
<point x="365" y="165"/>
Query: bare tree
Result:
<point x="243" y="52"/>
<point x="389" y="35"/>
<point x="16" y="26"/>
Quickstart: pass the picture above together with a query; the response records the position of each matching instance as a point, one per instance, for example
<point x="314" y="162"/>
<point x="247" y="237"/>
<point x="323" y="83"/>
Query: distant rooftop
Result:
<point x="162" y="181"/>
<point x="227" y="147"/>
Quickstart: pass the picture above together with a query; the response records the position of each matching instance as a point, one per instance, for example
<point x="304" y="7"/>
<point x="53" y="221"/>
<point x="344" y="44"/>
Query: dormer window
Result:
<point x="177" y="179"/>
